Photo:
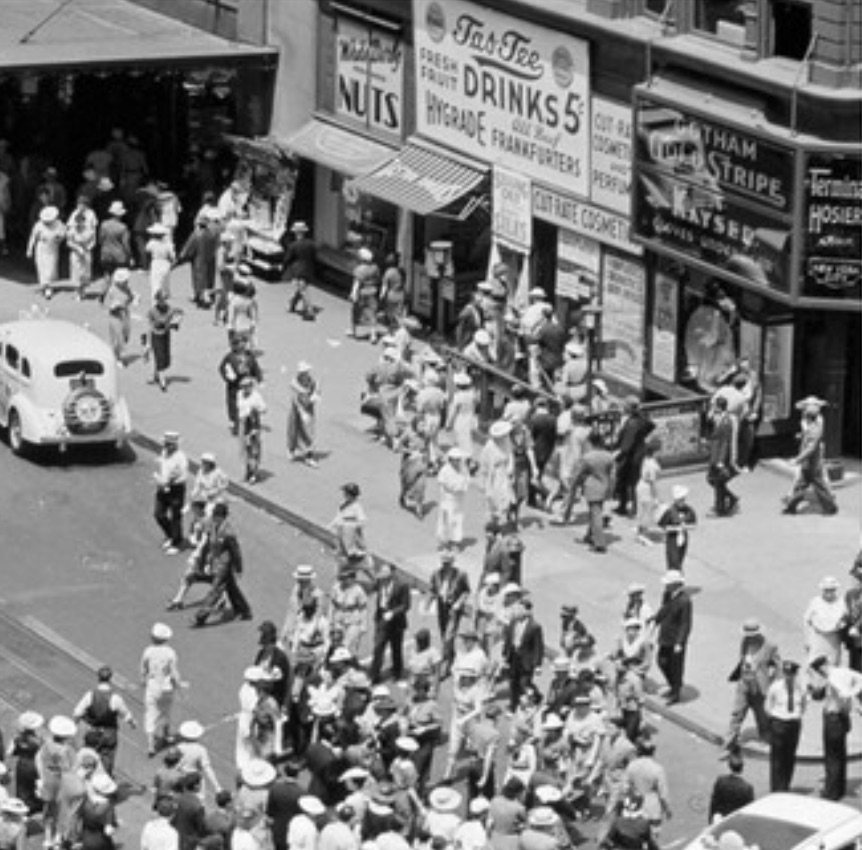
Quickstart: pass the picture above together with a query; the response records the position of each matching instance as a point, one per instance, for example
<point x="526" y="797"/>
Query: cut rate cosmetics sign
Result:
<point x="504" y="90"/>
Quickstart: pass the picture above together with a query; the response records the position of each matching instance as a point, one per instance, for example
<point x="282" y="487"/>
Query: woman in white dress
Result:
<point x="44" y="247"/>
<point x="461" y="418"/>
<point x="160" y="250"/>
<point x="496" y="471"/>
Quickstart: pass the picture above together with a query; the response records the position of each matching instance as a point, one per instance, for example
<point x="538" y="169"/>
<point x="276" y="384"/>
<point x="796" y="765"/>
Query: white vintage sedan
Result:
<point x="785" y="822"/>
<point x="59" y="386"/>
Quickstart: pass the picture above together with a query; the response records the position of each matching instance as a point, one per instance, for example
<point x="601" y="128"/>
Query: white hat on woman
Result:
<point x="61" y="726"/>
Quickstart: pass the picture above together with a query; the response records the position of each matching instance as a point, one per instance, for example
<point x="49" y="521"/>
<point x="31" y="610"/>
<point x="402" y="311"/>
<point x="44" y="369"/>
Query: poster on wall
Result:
<point x="664" y="316"/>
<point x="579" y="262"/>
<point x="833" y="231"/>
<point x="623" y="290"/>
<point x="611" y="155"/>
<point x="513" y="209"/>
<point x="369" y="75"/>
<point x="503" y="90"/>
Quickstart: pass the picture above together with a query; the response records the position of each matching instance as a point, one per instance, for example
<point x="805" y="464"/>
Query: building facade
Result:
<point x="682" y="179"/>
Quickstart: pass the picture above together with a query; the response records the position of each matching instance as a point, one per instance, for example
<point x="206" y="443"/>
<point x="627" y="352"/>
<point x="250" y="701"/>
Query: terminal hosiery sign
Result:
<point x="504" y="91"/>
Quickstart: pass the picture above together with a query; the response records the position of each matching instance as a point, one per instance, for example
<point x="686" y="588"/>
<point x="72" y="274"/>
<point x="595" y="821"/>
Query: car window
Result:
<point x="12" y="357"/>
<point x="73" y="368"/>
<point x="765" y="832"/>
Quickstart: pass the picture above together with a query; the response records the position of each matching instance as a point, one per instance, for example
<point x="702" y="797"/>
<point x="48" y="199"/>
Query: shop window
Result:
<point x="791" y="28"/>
<point x="723" y="18"/>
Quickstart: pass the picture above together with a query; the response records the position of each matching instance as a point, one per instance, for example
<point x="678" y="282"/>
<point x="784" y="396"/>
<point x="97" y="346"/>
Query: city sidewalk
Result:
<point x="757" y="564"/>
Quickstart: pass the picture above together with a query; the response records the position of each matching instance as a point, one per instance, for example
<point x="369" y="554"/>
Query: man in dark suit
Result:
<point x="300" y="264"/>
<point x="595" y="476"/>
<point x="273" y="658"/>
<point x="673" y="619"/>
<point x="755" y="671"/>
<point x="730" y="792"/>
<point x="188" y="819"/>
<point x="523" y="650"/>
<point x="225" y="557"/>
<point x="390" y="622"/>
<point x="630" y="443"/>
<point x="450" y="591"/>
<point x="282" y="803"/>
<point x="722" y="457"/>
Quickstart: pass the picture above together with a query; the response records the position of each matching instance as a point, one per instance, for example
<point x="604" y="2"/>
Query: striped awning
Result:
<point x="337" y="148"/>
<point x="426" y="180"/>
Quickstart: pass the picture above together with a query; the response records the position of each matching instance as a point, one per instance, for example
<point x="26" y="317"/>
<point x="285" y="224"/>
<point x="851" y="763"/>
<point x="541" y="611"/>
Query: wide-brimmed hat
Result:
<point x="829" y="583"/>
<point x="49" y="214"/>
<point x="311" y="805"/>
<point x="751" y="627"/>
<point x="304" y="572"/>
<point x="462" y="379"/>
<point x="542" y="817"/>
<point x="482" y="337"/>
<point x="444" y="799"/>
<point x="813" y="402"/>
<point x="575" y="349"/>
<point x="30" y="721"/>
<point x="511" y="587"/>
<point x="102" y="784"/>
<point x="61" y="726"/>
<point x="299" y="227"/>
<point x="491" y="578"/>
<point x="14" y="806"/>
<point x="407" y="744"/>
<point x="354" y="773"/>
<point x="357" y="679"/>
<point x="548" y="794"/>
<point x="191" y="730"/>
<point x="673" y="577"/>
<point x="161" y="631"/>
<point x="116" y="208"/>
<point x="158" y="229"/>
<point x="365" y="254"/>
<point x="501" y="428"/>
<point x="479" y="805"/>
<point x="258" y="773"/>
<point x="536" y="292"/>
<point x="552" y="722"/>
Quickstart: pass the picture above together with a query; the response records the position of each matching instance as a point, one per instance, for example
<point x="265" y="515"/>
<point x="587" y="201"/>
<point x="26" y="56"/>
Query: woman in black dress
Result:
<point x="163" y="319"/>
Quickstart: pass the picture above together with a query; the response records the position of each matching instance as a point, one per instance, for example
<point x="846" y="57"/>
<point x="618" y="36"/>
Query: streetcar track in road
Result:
<point x="34" y="659"/>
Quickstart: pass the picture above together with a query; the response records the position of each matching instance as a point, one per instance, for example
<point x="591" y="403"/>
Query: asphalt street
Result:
<point x="84" y="578"/>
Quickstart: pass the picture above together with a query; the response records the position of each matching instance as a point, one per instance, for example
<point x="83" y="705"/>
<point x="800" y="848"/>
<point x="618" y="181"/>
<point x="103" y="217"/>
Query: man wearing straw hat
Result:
<point x="300" y="263"/>
<point x="812" y="474"/>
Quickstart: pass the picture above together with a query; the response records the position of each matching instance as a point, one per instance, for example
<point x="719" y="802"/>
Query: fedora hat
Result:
<point x="365" y="255"/>
<point x="158" y="229"/>
<point x="751" y="627"/>
<point x="311" y="805"/>
<point x="299" y="227"/>
<point x="673" y="577"/>
<point x="811" y="401"/>
<point x="462" y="379"/>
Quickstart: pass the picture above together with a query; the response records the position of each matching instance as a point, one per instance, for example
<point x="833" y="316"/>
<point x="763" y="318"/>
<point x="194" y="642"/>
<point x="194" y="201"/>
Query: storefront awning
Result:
<point x="425" y="179"/>
<point x="337" y="148"/>
<point x="82" y="34"/>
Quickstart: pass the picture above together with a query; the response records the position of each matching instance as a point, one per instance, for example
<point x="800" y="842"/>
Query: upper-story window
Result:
<point x="656" y="7"/>
<point x="790" y="32"/>
<point x="717" y="16"/>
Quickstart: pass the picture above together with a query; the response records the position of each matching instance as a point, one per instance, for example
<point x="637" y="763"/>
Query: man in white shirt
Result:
<point x="171" y="474"/>
<point x="303" y="834"/>
<point x="157" y="833"/>
<point x="785" y="705"/>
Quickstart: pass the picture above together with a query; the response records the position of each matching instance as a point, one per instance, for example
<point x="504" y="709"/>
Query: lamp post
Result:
<point x="439" y="265"/>
<point x="592" y="316"/>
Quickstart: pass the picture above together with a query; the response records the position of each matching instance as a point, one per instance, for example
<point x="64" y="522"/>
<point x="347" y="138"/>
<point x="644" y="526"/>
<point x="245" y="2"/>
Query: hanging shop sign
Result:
<point x="513" y="209"/>
<point x="611" y="155"/>
<point x="714" y="156"/>
<point x="578" y="264"/>
<point x="664" y="317"/>
<point x="745" y="241"/>
<point x="623" y="295"/>
<point x="369" y="76"/>
<point x="721" y="196"/>
<point x="565" y="211"/>
<point x="503" y="90"/>
<point x="833" y="227"/>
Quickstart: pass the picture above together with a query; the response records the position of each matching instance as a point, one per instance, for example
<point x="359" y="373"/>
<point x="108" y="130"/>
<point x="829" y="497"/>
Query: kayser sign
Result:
<point x="504" y="91"/>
